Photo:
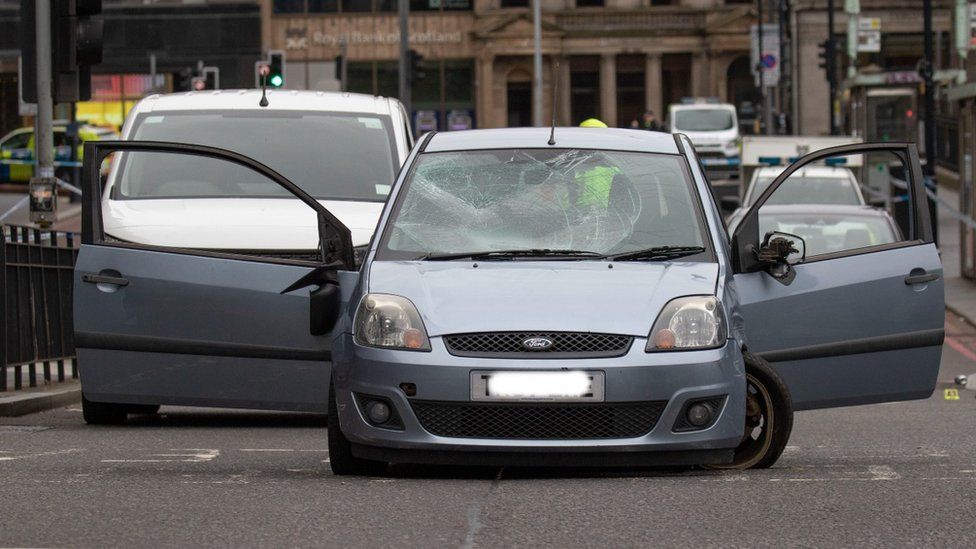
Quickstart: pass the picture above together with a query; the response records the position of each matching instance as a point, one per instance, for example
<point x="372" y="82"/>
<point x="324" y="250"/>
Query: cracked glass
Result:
<point x="604" y="202"/>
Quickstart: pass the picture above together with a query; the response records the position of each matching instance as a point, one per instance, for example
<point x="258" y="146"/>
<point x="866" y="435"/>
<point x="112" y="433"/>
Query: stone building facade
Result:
<point x="610" y="59"/>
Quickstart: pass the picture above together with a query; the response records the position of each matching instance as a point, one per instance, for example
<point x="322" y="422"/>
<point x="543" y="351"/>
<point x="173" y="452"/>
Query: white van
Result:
<point x="344" y="149"/>
<point x="714" y="131"/>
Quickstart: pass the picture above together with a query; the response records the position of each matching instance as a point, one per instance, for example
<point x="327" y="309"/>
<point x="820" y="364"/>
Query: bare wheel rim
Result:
<point x="758" y="435"/>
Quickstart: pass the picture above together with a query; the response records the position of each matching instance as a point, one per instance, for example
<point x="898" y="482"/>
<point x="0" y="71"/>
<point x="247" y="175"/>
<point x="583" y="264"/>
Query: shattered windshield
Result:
<point x="600" y="202"/>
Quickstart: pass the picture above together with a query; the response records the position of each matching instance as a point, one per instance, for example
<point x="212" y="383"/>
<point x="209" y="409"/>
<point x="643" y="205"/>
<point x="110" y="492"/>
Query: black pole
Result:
<point x="784" y="70"/>
<point x="927" y="72"/>
<point x="930" y="145"/>
<point x="830" y="62"/>
<point x="759" y="65"/>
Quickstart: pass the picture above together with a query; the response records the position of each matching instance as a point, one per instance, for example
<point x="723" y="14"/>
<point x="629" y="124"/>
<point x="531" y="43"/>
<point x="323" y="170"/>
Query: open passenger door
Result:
<point x="846" y="301"/>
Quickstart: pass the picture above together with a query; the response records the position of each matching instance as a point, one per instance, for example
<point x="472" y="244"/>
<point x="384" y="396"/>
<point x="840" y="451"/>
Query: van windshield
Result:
<point x="331" y="156"/>
<point x="599" y="202"/>
<point x="703" y="120"/>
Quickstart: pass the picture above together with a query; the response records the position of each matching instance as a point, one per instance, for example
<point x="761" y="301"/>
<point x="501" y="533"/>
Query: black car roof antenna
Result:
<point x="555" y="96"/>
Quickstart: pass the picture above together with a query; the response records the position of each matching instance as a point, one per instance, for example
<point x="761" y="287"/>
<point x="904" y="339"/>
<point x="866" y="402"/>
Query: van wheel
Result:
<point x="341" y="459"/>
<point x="102" y="413"/>
<point x="769" y="417"/>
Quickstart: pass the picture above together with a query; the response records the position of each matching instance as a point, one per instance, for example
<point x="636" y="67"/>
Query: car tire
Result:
<point x="102" y="413"/>
<point x="769" y="417"/>
<point x="341" y="459"/>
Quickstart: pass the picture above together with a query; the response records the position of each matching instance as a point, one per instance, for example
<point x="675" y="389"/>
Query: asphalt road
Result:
<point x="887" y="475"/>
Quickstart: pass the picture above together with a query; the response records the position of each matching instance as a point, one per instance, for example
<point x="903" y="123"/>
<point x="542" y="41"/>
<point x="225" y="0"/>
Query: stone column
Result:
<point x="653" y="85"/>
<point x="483" y="91"/>
<point x="608" y="89"/>
<point x="699" y="74"/>
<point x="565" y="95"/>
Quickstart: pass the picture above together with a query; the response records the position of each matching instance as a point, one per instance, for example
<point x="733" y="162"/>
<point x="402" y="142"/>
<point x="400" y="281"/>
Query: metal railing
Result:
<point x="36" y="269"/>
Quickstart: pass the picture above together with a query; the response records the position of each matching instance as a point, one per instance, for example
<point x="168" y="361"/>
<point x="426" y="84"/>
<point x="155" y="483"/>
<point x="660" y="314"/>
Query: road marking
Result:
<point x="41" y="454"/>
<point x="883" y="472"/>
<point x="952" y="394"/>
<point x="139" y="460"/>
<point x="267" y="450"/>
<point x="727" y="478"/>
<point x="198" y="455"/>
<point x="474" y="513"/>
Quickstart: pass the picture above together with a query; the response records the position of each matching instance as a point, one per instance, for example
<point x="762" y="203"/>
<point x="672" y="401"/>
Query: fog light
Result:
<point x="699" y="415"/>
<point x="378" y="412"/>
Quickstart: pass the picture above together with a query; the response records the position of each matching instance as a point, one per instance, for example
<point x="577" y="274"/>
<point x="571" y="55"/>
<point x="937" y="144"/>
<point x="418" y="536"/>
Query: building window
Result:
<point x="663" y="2"/>
<point x="323" y="6"/>
<point x="444" y="97"/>
<point x="438" y="5"/>
<point x="365" y="6"/>
<point x="589" y="3"/>
<point x="289" y="6"/>
<point x="515" y="3"/>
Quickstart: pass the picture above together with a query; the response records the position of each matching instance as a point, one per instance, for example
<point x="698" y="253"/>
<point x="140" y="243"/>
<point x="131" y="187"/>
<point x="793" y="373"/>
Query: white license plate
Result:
<point x="563" y="386"/>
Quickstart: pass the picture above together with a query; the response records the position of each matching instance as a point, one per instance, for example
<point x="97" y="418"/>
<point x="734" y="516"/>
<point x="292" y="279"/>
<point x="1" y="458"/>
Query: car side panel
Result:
<point x="849" y="330"/>
<point x="196" y="330"/>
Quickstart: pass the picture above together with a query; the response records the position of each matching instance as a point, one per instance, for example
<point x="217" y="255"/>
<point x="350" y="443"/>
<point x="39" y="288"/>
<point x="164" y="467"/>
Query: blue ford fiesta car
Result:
<point x="527" y="299"/>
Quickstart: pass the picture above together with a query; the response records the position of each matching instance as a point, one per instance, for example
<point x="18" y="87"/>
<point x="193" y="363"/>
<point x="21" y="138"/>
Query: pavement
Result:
<point x="888" y="475"/>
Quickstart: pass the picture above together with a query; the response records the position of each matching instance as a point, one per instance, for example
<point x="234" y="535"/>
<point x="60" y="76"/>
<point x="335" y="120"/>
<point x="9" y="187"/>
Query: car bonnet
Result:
<point x="580" y="296"/>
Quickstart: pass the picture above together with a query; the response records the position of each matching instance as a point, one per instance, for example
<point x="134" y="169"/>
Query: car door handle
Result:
<point x="920" y="278"/>
<point x="103" y="279"/>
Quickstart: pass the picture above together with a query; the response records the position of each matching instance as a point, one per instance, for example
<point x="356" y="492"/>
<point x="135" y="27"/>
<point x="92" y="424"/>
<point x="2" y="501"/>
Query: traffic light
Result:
<point x="276" y="64"/>
<point x="827" y="52"/>
<point x="76" y="42"/>
<point x="76" y="45"/>
<point x="414" y="70"/>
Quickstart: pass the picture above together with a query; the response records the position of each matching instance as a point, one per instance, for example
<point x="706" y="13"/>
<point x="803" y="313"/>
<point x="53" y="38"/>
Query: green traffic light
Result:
<point x="276" y="80"/>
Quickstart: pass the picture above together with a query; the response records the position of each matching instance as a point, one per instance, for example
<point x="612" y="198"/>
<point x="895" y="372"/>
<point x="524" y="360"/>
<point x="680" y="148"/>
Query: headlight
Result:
<point x="694" y="322"/>
<point x="390" y="321"/>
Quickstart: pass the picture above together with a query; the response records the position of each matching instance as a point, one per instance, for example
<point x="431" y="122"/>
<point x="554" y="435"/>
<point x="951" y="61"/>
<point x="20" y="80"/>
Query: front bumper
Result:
<point x="674" y="378"/>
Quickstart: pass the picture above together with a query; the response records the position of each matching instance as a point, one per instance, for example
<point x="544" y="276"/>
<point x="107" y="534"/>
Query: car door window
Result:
<point x="226" y="207"/>
<point x="820" y="204"/>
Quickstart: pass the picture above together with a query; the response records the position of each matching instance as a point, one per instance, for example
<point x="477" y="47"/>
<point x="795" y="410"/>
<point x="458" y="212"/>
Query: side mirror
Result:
<point x="775" y="251"/>
<point x="730" y="203"/>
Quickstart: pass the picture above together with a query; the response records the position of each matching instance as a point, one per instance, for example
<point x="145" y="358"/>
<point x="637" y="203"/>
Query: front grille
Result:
<point x="564" y="344"/>
<point x="538" y="420"/>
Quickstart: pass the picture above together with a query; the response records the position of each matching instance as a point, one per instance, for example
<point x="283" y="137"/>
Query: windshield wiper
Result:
<point x="657" y="253"/>
<point x="502" y="254"/>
